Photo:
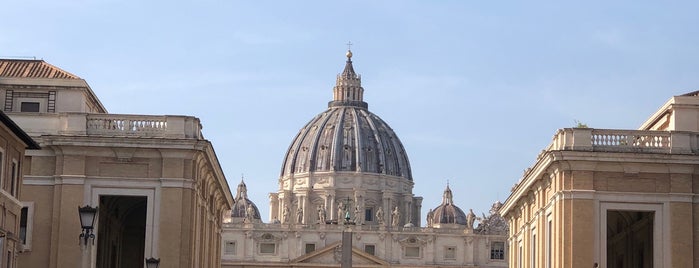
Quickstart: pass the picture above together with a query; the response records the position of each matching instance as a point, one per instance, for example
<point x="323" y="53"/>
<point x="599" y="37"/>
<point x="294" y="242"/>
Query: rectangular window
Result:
<point x="268" y="248"/>
<point x="520" y="258"/>
<point x="310" y="248"/>
<point x="229" y="248"/>
<point x="412" y="252"/>
<point x="549" y="240"/>
<point x="450" y="253"/>
<point x="369" y="214"/>
<point x="32" y="107"/>
<point x="13" y="180"/>
<point x="26" y="221"/>
<point x="23" y="225"/>
<point x="9" y="259"/>
<point x="497" y="251"/>
<point x="371" y="249"/>
<point x="533" y="250"/>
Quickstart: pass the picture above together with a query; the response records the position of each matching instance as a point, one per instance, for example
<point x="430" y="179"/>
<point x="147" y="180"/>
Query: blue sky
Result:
<point x="474" y="89"/>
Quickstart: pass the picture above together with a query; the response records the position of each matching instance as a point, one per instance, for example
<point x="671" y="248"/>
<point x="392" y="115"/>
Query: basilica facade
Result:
<point x="347" y="171"/>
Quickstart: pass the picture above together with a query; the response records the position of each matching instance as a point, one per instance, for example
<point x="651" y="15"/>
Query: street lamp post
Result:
<point x="87" y="216"/>
<point x="87" y="222"/>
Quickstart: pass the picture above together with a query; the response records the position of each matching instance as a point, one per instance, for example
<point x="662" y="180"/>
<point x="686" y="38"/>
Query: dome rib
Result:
<point x="336" y="146"/>
<point x="314" y="149"/>
<point x="293" y="148"/>
<point x="358" y="141"/>
<point x="379" y="145"/>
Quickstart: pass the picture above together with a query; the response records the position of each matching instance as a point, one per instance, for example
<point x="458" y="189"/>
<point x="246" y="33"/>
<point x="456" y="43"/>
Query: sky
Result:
<point x="473" y="89"/>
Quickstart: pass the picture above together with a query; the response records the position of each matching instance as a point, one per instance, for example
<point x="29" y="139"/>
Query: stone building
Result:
<point x="612" y="198"/>
<point x="157" y="182"/>
<point x="346" y="170"/>
<point x="13" y="219"/>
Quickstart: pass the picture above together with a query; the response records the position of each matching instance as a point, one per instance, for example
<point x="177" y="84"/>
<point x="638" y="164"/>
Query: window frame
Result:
<point x="274" y="246"/>
<point x="453" y="250"/>
<point x="492" y="250"/>
<point x="533" y="249"/>
<point x="419" y="252"/>
<point x="14" y="178"/>
<point x="373" y="246"/>
<point x="29" y="231"/>
<point x="22" y="106"/>
<point x="369" y="214"/>
<point x="43" y="104"/>
<point x="227" y="244"/>
<point x="305" y="247"/>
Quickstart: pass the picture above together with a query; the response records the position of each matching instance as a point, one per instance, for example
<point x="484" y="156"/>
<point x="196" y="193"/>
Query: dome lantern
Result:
<point x="348" y="89"/>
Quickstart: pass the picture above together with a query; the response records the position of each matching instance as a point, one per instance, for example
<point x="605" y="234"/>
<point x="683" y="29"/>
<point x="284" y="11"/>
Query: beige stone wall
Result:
<point x="574" y="194"/>
<point x="183" y="185"/>
<point x="12" y="152"/>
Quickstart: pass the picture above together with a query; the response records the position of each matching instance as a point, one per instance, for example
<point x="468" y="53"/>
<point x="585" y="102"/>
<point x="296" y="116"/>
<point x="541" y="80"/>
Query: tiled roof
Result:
<point x="32" y="69"/>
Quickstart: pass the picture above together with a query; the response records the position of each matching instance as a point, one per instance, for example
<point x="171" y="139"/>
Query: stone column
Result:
<point x="331" y="206"/>
<point x="408" y="204"/>
<point x="359" y="202"/>
<point x="273" y="207"/>
<point x="302" y="198"/>
<point x="386" y="197"/>
<point x="282" y="202"/>
<point x="417" y="217"/>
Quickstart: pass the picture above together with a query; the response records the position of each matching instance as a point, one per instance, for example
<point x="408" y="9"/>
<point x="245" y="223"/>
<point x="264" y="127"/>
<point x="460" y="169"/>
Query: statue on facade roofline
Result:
<point x="285" y="214"/>
<point x="357" y="216"/>
<point x="470" y="219"/>
<point x="321" y="214"/>
<point x="395" y="215"/>
<point x="299" y="215"/>
<point x="430" y="220"/>
<point x="493" y="223"/>
<point x="380" y="216"/>
<point x="249" y="213"/>
<point x="340" y="211"/>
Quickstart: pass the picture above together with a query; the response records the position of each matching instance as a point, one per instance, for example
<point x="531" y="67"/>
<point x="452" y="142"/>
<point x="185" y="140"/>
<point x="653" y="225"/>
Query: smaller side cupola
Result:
<point x="243" y="209"/>
<point x="447" y="214"/>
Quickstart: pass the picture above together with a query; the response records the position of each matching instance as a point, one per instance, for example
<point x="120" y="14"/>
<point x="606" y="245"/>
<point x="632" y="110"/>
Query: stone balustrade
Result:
<point x="611" y="140"/>
<point x="166" y="126"/>
<point x="340" y="227"/>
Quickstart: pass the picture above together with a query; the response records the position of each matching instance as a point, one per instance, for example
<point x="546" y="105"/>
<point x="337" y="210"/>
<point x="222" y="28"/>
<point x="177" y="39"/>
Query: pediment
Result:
<point x="331" y="254"/>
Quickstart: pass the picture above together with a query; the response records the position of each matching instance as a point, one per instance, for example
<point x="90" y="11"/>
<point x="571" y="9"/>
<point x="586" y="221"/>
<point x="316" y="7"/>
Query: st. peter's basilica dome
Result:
<point x="347" y="137"/>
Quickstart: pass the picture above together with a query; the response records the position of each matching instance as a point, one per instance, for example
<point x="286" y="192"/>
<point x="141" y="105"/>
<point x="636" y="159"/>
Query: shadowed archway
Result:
<point x="121" y="231"/>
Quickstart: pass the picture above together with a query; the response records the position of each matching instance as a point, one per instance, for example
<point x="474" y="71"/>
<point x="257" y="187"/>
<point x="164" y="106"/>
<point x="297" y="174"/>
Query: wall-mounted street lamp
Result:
<point x="87" y="221"/>
<point x="152" y="262"/>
